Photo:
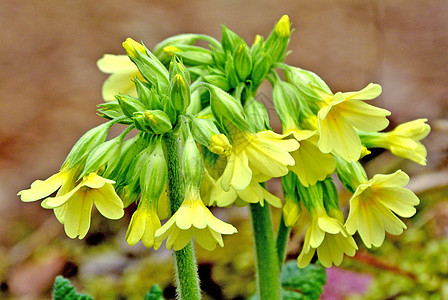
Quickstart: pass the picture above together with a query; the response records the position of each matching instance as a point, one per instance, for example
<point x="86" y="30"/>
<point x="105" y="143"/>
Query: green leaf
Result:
<point x="304" y="283"/>
<point x="64" y="290"/>
<point x="155" y="293"/>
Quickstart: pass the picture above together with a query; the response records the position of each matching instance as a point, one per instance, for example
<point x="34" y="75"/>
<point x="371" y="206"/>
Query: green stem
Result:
<point x="187" y="279"/>
<point x="267" y="260"/>
<point x="282" y="240"/>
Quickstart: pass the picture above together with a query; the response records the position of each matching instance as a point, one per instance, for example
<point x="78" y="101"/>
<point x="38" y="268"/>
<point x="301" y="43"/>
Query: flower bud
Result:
<point x="311" y="196"/>
<point x="87" y="143"/>
<point x="133" y="48"/>
<point x="158" y="121"/>
<point x="278" y="40"/>
<point x="220" y="145"/>
<point x="202" y="130"/>
<point x="292" y="209"/>
<point x="129" y="105"/>
<point x="180" y="93"/>
<point x="218" y="55"/>
<point x="286" y="102"/>
<point x="147" y="63"/>
<point x="191" y="55"/>
<point x="262" y="65"/>
<point x="226" y="108"/>
<point x="330" y="193"/>
<point x="242" y="61"/>
<point x="232" y="77"/>
<point x="107" y="153"/>
<point x="218" y="80"/>
<point x="351" y="174"/>
<point x="192" y="165"/>
<point x="229" y="40"/>
<point x="154" y="173"/>
<point x="143" y="92"/>
<point x="111" y="110"/>
<point x="180" y="39"/>
<point x="256" y="114"/>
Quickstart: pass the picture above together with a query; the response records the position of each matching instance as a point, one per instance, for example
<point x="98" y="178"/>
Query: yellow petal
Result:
<point x="364" y="116"/>
<point x="237" y="172"/>
<point x="110" y="63"/>
<point x="371" y="91"/>
<point x="41" y="189"/>
<point x="136" y="228"/>
<point x="77" y="217"/>
<point x="107" y="202"/>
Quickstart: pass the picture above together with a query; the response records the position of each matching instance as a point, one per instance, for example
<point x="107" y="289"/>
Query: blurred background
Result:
<point x="49" y="86"/>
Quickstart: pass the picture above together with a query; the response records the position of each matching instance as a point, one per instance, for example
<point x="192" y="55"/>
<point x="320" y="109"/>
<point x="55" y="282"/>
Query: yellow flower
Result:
<point x="64" y="180"/>
<point x="143" y="225"/>
<point x="133" y="49"/>
<point x="341" y="114"/>
<point x="374" y="203"/>
<point x="403" y="141"/>
<point x="311" y="165"/>
<point x="253" y="193"/>
<point x="123" y="70"/>
<point x="79" y="201"/>
<point x="193" y="218"/>
<point x="328" y="236"/>
<point x="260" y="155"/>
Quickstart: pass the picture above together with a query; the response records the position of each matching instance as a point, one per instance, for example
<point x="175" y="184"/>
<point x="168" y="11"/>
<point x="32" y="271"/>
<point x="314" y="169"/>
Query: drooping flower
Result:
<point x="143" y="225"/>
<point x="341" y="114"/>
<point x="403" y="141"/>
<point x="311" y="164"/>
<point x="63" y="182"/>
<point x="253" y="193"/>
<point x="122" y="71"/>
<point x="193" y="219"/>
<point x="261" y="155"/>
<point x="328" y="237"/>
<point x="374" y="203"/>
<point x="79" y="201"/>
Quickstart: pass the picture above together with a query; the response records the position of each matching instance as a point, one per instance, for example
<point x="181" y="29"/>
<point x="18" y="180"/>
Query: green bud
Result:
<point x="129" y="105"/>
<point x="180" y="39"/>
<point x="257" y="46"/>
<point x="180" y="93"/>
<point x="226" y="108"/>
<point x="229" y="40"/>
<point x="218" y="80"/>
<point x="132" y="182"/>
<point x="168" y="108"/>
<point x="147" y="63"/>
<point x="158" y="121"/>
<point x="292" y="209"/>
<point x="112" y="110"/>
<point x="202" y="130"/>
<point x="87" y="143"/>
<point x="195" y="103"/>
<point x="307" y="82"/>
<point x="286" y="102"/>
<point x="330" y="193"/>
<point x="256" y="114"/>
<point x="218" y="55"/>
<point x="231" y="75"/>
<point x="351" y="174"/>
<point x="311" y="196"/>
<point x="141" y="122"/>
<point x="107" y="153"/>
<point x="242" y="61"/>
<point x="154" y="173"/>
<point x="143" y="92"/>
<point x="191" y="55"/>
<point x="154" y="100"/>
<point x="262" y="65"/>
<point x="278" y="40"/>
<point x="192" y="164"/>
<point x="177" y="67"/>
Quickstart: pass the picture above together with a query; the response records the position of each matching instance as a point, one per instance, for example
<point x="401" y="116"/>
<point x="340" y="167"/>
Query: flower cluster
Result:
<point x="206" y="100"/>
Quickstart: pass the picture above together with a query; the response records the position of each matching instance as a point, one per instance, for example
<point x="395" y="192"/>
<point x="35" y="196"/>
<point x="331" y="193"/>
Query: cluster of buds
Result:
<point x="206" y="98"/>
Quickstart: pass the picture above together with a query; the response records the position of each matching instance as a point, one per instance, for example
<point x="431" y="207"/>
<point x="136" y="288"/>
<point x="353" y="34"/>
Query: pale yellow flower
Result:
<point x="79" y="201"/>
<point x="122" y="71"/>
<point x="341" y="114"/>
<point x="253" y="193"/>
<point x="143" y="225"/>
<point x="329" y="238"/>
<point x="374" y="203"/>
<point x="311" y="164"/>
<point x="262" y="155"/>
<point x="193" y="219"/>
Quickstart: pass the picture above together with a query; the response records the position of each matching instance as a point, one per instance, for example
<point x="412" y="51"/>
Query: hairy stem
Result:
<point x="268" y="270"/>
<point x="187" y="279"/>
<point x="282" y="240"/>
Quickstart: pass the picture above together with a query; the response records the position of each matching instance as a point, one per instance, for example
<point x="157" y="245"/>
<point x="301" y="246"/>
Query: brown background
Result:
<point x="49" y="82"/>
